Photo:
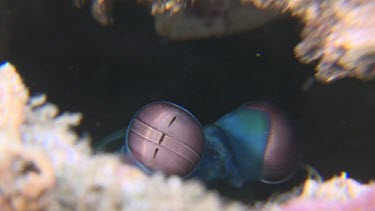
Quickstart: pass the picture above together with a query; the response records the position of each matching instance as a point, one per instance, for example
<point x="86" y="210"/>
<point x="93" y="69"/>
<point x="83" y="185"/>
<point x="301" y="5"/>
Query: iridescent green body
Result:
<point x="235" y="147"/>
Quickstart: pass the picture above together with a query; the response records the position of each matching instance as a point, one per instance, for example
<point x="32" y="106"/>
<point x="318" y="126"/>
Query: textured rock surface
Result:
<point x="339" y="34"/>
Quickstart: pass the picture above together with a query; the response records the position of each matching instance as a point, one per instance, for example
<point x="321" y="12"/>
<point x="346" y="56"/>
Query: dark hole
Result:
<point x="29" y="167"/>
<point x="96" y="188"/>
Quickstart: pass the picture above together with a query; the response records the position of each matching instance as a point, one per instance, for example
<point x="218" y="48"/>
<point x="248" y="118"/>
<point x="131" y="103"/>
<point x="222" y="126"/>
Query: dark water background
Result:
<point x="109" y="73"/>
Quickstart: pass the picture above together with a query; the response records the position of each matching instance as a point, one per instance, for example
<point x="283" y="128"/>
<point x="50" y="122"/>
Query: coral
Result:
<point x="201" y="19"/>
<point x="101" y="10"/>
<point x="340" y="193"/>
<point x="13" y="97"/>
<point x="338" y="33"/>
<point x="27" y="177"/>
<point x="190" y="19"/>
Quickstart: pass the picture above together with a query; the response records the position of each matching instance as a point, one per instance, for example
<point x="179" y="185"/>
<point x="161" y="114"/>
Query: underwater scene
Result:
<point x="187" y="105"/>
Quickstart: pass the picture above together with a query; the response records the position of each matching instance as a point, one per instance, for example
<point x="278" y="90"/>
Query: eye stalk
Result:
<point x="165" y="137"/>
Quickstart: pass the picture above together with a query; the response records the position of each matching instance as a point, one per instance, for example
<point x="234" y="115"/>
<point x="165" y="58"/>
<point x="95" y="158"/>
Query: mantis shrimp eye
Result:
<point x="263" y="142"/>
<point x="165" y="137"/>
<point x="281" y="157"/>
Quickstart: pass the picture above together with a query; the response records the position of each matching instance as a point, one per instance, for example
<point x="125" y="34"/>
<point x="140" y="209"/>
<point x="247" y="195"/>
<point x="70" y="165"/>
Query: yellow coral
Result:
<point x="13" y="97"/>
<point x="27" y="177"/>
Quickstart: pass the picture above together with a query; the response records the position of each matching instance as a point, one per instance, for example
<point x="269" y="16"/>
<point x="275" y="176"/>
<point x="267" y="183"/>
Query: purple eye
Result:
<point x="165" y="137"/>
<point x="281" y="156"/>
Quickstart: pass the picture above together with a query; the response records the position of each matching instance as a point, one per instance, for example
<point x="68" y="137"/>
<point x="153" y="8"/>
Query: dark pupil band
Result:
<point x="164" y="140"/>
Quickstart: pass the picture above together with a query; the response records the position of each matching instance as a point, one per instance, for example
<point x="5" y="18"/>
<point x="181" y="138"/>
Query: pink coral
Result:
<point x="364" y="201"/>
<point x="338" y="193"/>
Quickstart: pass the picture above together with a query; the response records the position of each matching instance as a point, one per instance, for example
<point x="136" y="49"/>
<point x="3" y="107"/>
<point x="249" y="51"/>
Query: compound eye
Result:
<point x="281" y="155"/>
<point x="165" y="137"/>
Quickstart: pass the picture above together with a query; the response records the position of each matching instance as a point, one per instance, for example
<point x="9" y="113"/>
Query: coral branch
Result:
<point x="340" y="34"/>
